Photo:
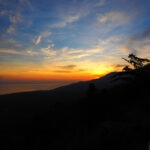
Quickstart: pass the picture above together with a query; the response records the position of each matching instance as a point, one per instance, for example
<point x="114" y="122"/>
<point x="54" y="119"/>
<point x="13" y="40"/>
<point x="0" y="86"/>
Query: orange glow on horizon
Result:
<point x="36" y="77"/>
<point x="90" y="72"/>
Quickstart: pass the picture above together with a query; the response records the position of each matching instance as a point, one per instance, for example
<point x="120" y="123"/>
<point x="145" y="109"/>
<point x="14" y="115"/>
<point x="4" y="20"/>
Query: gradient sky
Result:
<point x="70" y="39"/>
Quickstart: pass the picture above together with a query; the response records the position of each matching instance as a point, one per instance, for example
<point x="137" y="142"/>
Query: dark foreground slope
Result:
<point x="114" y="116"/>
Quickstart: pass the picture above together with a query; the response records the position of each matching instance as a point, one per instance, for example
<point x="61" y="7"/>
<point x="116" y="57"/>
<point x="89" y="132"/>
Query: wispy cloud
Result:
<point x="68" y="69"/>
<point x="140" y="50"/>
<point x="108" y="21"/>
<point x="16" y="17"/>
<point x="117" y="17"/>
<point x="11" y="51"/>
<point x="17" y="52"/>
<point x="100" y="3"/>
<point x="145" y="35"/>
<point x="68" y="50"/>
<point x="27" y="2"/>
<point x="11" y="29"/>
<point x="83" y="54"/>
<point x="14" y="20"/>
<point x="9" y="43"/>
<point x="65" y="21"/>
<point x="137" y="43"/>
<point x="31" y="52"/>
<point x="144" y="51"/>
<point x="49" y="50"/>
<point x="124" y="49"/>
<point x="69" y="54"/>
<point x="62" y="71"/>
<point x="41" y="36"/>
<point x="38" y="40"/>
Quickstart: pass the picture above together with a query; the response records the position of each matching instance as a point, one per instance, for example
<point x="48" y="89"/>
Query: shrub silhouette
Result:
<point x="126" y="68"/>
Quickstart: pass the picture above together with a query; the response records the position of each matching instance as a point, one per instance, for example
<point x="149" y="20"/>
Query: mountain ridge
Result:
<point x="116" y="117"/>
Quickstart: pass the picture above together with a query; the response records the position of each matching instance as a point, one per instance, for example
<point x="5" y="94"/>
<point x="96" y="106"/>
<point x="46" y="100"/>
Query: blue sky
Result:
<point x="66" y="36"/>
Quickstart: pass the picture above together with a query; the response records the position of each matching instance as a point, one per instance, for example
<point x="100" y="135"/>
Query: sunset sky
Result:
<point x="70" y="39"/>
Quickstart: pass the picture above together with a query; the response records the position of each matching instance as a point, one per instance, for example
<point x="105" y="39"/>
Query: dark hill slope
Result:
<point x="114" y="116"/>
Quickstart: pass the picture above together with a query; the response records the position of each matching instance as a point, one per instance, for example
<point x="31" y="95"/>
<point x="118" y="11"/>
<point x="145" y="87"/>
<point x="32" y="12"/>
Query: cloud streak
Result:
<point x="15" y="19"/>
<point x="41" y="36"/>
<point x="70" y="67"/>
<point x="15" y="52"/>
<point x="9" y="43"/>
<point x="100" y="3"/>
<point x="49" y="50"/>
<point x="137" y="43"/>
<point x="80" y="53"/>
<point x="15" y="16"/>
<point x="62" y="71"/>
<point x="115" y="17"/>
<point x="65" y="21"/>
<point x="126" y="50"/>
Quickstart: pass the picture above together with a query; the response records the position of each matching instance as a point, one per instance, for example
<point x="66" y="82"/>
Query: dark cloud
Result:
<point x="61" y="71"/>
<point x="119" y="65"/>
<point x="68" y="67"/>
<point x="137" y="39"/>
<point x="141" y="36"/>
<point x="65" y="69"/>
<point x="81" y="70"/>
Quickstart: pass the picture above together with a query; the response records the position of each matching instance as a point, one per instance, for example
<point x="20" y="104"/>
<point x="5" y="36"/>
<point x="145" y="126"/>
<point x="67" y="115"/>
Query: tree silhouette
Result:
<point x="91" y="89"/>
<point x="135" y="61"/>
<point x="129" y="74"/>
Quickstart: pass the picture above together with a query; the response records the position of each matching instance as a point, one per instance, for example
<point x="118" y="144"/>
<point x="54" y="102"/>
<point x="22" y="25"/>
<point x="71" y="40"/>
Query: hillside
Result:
<point x="115" y="115"/>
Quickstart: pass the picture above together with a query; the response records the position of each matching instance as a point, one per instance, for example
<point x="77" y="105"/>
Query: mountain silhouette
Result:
<point x="115" y="115"/>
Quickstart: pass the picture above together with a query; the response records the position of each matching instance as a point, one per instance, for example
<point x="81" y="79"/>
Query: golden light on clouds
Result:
<point x="80" y="71"/>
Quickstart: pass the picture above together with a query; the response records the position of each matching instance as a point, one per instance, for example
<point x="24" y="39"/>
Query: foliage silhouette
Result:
<point x="135" y="61"/>
<point x="129" y="75"/>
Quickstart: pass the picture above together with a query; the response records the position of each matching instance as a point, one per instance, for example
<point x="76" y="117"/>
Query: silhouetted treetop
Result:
<point x="135" y="61"/>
